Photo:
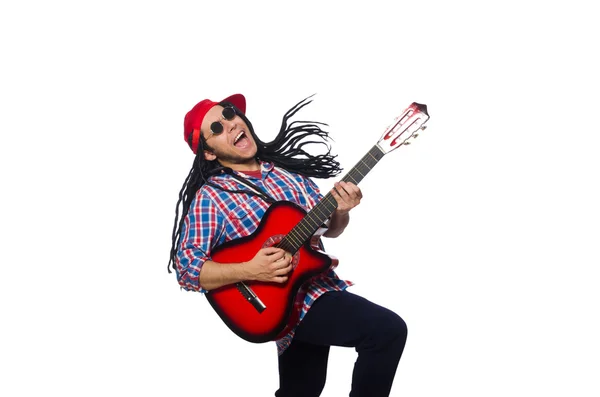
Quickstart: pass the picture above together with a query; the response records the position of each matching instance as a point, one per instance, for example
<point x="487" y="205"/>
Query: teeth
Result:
<point x="237" y="138"/>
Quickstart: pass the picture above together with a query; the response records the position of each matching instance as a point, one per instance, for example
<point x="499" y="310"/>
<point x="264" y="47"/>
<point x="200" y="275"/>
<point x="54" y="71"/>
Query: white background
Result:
<point x="483" y="235"/>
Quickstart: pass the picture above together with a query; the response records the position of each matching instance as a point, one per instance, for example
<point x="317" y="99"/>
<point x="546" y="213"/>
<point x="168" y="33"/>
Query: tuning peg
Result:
<point x="407" y="143"/>
<point x="423" y="128"/>
<point x="415" y="135"/>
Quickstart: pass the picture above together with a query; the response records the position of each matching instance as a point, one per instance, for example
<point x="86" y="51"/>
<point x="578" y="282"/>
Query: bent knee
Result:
<point x="388" y="327"/>
<point x="398" y="327"/>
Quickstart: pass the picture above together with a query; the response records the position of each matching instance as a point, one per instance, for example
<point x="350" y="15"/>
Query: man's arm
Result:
<point x="269" y="265"/>
<point x="347" y="195"/>
<point x="337" y="224"/>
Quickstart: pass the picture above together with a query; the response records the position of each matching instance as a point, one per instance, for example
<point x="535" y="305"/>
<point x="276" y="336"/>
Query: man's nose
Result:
<point x="229" y="125"/>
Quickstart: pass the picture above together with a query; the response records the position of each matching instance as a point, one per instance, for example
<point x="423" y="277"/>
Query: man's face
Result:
<point x="234" y="147"/>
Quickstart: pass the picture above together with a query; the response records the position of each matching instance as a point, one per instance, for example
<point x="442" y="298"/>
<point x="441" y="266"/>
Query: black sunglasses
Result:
<point x="216" y="127"/>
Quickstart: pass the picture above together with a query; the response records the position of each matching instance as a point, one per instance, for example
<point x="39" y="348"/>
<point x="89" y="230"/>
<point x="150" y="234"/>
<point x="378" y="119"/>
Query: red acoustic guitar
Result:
<point x="261" y="312"/>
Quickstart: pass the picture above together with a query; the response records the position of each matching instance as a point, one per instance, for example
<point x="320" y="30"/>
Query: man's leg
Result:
<point x="378" y="334"/>
<point x="302" y="370"/>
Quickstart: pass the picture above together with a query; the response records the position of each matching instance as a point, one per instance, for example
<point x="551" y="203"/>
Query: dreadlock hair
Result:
<point x="285" y="151"/>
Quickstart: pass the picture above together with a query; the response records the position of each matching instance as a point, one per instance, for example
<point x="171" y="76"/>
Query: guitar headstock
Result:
<point x="404" y="128"/>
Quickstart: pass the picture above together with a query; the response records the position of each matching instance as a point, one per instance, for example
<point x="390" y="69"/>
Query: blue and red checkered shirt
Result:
<point x="216" y="216"/>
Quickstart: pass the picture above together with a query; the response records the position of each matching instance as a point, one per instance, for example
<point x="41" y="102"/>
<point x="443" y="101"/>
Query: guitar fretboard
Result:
<point x="317" y="216"/>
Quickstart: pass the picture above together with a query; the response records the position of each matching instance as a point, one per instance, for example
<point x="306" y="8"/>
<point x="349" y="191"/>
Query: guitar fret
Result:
<point x="294" y="239"/>
<point x="317" y="209"/>
<point x="372" y="156"/>
<point x="357" y="170"/>
<point x="301" y="225"/>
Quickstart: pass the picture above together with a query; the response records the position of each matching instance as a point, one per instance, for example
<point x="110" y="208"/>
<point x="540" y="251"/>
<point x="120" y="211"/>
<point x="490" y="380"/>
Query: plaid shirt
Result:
<point x="216" y="216"/>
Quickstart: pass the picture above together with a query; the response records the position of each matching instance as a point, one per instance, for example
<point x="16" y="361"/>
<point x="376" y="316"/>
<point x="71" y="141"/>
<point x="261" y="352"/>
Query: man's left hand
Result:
<point x="347" y="195"/>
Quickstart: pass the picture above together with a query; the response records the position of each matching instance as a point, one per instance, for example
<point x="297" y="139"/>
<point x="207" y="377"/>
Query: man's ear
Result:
<point x="209" y="156"/>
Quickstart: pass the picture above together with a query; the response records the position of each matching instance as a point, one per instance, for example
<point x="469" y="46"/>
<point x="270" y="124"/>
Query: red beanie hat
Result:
<point x="193" y="119"/>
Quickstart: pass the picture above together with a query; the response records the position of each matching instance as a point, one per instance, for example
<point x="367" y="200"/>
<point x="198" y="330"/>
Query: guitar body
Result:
<point x="283" y="301"/>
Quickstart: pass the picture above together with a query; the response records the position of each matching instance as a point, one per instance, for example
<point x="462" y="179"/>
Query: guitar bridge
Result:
<point x="251" y="297"/>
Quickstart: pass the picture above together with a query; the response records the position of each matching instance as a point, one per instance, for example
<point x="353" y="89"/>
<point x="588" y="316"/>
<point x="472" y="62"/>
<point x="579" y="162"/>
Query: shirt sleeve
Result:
<point x="201" y="227"/>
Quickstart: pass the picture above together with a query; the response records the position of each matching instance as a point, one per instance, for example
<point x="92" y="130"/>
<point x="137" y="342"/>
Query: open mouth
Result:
<point x="241" y="140"/>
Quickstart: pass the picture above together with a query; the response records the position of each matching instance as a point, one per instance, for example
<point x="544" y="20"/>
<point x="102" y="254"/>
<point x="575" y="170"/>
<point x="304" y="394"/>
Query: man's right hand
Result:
<point x="270" y="265"/>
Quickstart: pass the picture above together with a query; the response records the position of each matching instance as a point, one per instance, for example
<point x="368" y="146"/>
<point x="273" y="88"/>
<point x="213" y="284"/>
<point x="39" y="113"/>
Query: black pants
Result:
<point x="343" y="319"/>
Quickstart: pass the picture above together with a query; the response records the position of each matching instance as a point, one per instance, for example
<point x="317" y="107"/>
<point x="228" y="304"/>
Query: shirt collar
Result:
<point x="266" y="166"/>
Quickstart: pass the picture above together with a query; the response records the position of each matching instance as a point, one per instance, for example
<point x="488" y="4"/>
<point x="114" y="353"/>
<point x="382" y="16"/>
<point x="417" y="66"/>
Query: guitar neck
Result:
<point x="316" y="217"/>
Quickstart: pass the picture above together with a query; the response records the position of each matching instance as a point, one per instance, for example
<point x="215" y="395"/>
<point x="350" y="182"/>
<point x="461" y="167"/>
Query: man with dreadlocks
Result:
<point x="235" y="177"/>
